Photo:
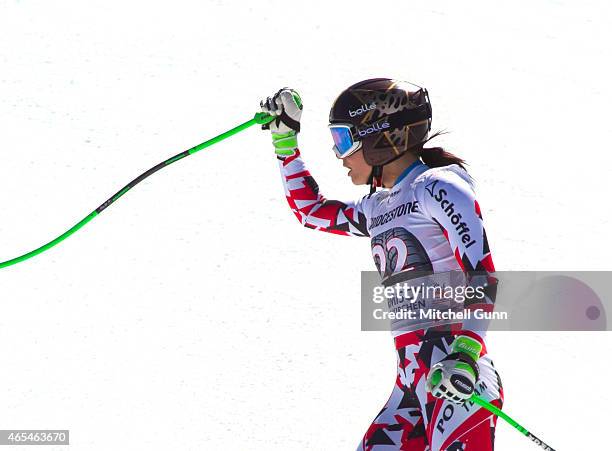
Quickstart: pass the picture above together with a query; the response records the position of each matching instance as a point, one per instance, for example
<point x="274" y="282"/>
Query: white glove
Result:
<point x="287" y="106"/>
<point x="454" y="377"/>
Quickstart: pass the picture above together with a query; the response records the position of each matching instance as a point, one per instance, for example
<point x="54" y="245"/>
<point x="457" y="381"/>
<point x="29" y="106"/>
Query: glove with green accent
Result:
<point x="454" y="377"/>
<point x="287" y="106"/>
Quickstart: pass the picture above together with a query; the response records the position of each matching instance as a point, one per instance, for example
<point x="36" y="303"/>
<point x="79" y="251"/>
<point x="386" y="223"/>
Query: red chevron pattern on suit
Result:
<point x="429" y="221"/>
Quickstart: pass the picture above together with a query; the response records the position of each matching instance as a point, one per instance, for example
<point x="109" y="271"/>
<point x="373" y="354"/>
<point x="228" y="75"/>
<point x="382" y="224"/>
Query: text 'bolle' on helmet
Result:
<point x="382" y="116"/>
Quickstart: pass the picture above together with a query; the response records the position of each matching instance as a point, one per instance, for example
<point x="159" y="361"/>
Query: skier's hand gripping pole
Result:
<point x="455" y="376"/>
<point x="286" y="107"/>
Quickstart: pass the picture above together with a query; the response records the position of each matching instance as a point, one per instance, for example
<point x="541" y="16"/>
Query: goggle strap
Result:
<point x="411" y="116"/>
<point x="398" y="120"/>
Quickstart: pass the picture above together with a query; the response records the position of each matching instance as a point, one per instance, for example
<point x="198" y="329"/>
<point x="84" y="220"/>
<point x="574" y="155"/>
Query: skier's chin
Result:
<point x="357" y="179"/>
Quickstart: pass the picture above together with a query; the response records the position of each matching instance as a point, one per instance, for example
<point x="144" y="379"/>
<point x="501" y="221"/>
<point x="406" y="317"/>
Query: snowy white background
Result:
<point x="195" y="313"/>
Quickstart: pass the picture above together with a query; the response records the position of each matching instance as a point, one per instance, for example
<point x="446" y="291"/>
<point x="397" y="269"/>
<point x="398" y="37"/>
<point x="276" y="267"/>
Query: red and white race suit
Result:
<point x="430" y="221"/>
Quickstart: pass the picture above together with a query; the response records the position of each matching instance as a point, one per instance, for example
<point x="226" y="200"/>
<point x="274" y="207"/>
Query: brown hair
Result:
<point x="437" y="156"/>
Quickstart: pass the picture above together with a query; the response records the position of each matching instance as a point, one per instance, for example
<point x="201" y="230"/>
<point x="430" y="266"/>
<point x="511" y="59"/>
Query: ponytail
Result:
<point x="436" y="156"/>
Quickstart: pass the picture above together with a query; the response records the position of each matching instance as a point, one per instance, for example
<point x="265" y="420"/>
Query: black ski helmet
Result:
<point x="388" y="117"/>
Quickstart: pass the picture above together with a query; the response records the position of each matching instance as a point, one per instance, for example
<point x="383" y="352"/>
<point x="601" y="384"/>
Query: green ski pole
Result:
<point x="260" y="118"/>
<point x="494" y="410"/>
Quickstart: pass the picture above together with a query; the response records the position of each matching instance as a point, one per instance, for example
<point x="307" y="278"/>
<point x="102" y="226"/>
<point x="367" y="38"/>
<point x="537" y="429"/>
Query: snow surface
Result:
<point x="196" y="313"/>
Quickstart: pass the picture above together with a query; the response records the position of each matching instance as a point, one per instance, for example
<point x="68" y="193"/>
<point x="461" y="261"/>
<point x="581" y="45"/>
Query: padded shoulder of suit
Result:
<point x="452" y="174"/>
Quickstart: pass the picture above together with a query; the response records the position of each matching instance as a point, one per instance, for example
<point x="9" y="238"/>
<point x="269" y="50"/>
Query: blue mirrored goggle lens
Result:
<point x="342" y="139"/>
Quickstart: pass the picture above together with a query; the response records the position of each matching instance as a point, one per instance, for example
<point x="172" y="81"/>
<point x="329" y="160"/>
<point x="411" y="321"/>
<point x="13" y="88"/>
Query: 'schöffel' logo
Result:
<point x="373" y="128"/>
<point x="448" y="208"/>
<point x="362" y="109"/>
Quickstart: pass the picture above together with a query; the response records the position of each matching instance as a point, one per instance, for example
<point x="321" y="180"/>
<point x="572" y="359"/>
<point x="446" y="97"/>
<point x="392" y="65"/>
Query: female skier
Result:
<point x="425" y="218"/>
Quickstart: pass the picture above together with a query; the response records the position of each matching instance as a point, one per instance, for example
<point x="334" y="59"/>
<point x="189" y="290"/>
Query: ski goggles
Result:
<point x="344" y="142"/>
<point x="346" y="136"/>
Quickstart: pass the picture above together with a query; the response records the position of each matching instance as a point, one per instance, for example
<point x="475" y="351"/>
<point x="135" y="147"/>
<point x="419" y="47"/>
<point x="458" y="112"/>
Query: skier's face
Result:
<point x="359" y="170"/>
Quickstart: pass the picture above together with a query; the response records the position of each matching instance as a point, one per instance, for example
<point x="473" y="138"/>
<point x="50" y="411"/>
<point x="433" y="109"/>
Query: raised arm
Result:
<point x="311" y="208"/>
